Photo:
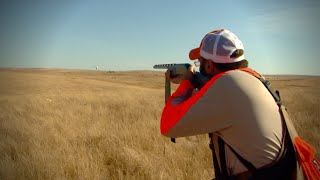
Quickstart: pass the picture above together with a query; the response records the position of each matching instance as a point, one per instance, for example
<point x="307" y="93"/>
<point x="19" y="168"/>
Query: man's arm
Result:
<point x="205" y="111"/>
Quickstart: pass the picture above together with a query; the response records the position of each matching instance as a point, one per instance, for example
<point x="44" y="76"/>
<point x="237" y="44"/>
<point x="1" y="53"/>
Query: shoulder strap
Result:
<point x="274" y="93"/>
<point x="291" y="129"/>
<point x="266" y="83"/>
<point x="245" y="162"/>
<point x="216" y="168"/>
<point x="222" y="155"/>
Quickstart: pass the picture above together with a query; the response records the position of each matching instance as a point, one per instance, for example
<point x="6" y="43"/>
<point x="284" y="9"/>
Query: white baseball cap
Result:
<point x="218" y="46"/>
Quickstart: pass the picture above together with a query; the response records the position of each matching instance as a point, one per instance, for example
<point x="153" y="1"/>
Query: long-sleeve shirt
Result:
<point x="234" y="105"/>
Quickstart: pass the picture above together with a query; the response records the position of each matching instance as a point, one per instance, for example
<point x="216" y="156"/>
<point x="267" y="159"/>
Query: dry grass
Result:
<point x="301" y="96"/>
<point x="59" y="124"/>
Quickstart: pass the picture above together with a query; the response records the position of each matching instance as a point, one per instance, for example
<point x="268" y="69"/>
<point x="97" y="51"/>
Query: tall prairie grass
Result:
<point x="57" y="124"/>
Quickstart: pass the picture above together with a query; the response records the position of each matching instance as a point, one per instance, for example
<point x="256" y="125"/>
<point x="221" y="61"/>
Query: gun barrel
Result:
<point x="163" y="66"/>
<point x="170" y="66"/>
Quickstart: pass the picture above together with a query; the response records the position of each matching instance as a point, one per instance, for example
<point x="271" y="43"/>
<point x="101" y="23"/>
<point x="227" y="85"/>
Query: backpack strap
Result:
<point x="266" y="83"/>
<point x="275" y="93"/>
<point x="216" y="168"/>
<point x="222" y="173"/>
<point x="222" y="155"/>
<point x="245" y="162"/>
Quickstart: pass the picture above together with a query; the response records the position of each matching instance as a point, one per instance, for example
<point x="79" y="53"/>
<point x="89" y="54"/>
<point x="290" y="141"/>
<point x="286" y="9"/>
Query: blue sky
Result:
<point x="279" y="37"/>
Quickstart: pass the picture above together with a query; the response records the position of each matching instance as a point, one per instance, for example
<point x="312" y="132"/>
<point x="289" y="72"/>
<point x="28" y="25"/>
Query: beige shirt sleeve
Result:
<point x="242" y="111"/>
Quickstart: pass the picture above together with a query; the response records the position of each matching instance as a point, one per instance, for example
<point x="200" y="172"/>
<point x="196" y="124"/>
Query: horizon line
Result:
<point x="128" y="70"/>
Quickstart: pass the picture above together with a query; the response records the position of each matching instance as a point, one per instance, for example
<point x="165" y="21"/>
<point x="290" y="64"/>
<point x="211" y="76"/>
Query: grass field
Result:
<point x="69" y="124"/>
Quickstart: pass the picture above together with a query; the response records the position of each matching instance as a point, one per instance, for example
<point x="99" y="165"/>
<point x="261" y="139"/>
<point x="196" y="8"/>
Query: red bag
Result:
<point x="306" y="157"/>
<point x="308" y="164"/>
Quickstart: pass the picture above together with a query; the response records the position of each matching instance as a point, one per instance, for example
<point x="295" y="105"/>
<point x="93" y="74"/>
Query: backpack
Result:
<point x="299" y="154"/>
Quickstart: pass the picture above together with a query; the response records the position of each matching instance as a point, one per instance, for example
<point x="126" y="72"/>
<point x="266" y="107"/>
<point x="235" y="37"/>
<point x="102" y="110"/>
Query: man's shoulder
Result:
<point x="237" y="85"/>
<point x="239" y="72"/>
<point x="238" y="76"/>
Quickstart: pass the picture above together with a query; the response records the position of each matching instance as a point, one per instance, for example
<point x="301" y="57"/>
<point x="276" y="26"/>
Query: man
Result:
<point x="235" y="106"/>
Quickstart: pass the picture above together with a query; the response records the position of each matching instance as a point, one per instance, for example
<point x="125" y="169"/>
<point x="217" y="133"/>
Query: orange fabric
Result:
<point x="305" y="150"/>
<point x="306" y="157"/>
<point x="250" y="71"/>
<point x="194" y="53"/>
<point x="184" y="87"/>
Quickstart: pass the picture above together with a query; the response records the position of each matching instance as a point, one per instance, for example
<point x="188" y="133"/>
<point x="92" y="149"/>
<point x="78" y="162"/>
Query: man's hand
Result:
<point x="179" y="78"/>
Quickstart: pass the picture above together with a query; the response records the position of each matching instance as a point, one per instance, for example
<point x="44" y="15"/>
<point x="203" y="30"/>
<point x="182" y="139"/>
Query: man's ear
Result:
<point x="209" y="67"/>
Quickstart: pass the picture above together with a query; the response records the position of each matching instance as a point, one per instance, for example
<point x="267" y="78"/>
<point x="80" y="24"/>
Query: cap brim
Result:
<point x="194" y="54"/>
